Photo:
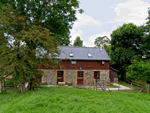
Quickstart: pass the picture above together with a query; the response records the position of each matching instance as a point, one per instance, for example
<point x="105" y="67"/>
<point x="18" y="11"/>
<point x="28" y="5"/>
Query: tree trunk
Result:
<point x="32" y="84"/>
<point x="3" y="87"/>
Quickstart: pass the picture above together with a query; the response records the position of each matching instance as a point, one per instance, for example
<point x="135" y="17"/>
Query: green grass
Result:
<point x="113" y="86"/>
<point x="73" y="100"/>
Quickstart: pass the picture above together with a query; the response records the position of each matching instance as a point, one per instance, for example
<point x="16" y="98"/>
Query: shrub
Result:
<point x="139" y="70"/>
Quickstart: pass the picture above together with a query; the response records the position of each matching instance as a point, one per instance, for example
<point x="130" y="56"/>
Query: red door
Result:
<point x="60" y="76"/>
<point x="80" y="78"/>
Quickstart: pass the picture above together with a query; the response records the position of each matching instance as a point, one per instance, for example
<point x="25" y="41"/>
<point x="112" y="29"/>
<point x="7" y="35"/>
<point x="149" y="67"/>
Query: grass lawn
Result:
<point x="73" y="100"/>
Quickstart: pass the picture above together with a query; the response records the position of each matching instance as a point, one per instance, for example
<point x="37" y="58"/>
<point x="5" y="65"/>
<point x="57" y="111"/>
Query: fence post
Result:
<point x="56" y="78"/>
<point x="94" y="84"/>
<point x="105" y="85"/>
<point x="131" y="85"/>
<point x="3" y="86"/>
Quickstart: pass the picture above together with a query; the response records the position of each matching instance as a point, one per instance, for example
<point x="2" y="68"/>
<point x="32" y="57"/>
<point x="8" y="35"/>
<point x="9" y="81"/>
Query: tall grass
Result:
<point x="73" y="100"/>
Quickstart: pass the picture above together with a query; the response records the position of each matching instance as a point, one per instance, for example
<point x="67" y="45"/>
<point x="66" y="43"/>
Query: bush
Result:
<point x="139" y="70"/>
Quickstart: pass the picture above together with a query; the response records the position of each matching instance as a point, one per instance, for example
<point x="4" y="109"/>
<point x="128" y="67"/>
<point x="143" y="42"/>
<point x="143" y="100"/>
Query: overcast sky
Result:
<point x="101" y="17"/>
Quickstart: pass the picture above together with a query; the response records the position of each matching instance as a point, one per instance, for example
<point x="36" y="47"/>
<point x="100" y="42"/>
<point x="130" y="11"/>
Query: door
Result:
<point x="60" y="76"/>
<point x="111" y="76"/>
<point x="80" y="78"/>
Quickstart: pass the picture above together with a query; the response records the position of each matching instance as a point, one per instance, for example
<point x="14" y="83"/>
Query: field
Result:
<point x="72" y="100"/>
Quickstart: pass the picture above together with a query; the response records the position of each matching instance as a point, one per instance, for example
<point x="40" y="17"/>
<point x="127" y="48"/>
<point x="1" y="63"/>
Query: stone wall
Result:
<point x="49" y="76"/>
<point x="70" y="76"/>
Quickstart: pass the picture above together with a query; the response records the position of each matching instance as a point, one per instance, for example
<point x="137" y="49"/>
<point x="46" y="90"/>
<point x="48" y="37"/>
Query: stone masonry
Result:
<point x="50" y="77"/>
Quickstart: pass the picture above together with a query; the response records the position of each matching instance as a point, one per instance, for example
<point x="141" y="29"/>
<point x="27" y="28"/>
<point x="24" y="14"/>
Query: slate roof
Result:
<point x="81" y="53"/>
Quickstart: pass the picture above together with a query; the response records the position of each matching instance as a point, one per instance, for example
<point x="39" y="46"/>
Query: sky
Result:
<point x="101" y="17"/>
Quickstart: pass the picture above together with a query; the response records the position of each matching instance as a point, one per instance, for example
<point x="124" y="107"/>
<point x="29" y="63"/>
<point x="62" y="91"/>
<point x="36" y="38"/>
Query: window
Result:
<point x="80" y="73"/>
<point x="71" y="54"/>
<point x="96" y="74"/>
<point x="60" y="73"/>
<point x="89" y="55"/>
<point x="73" y="62"/>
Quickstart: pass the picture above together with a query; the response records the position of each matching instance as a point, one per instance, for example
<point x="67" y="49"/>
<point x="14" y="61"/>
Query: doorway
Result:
<point x="60" y="76"/>
<point x="80" y="77"/>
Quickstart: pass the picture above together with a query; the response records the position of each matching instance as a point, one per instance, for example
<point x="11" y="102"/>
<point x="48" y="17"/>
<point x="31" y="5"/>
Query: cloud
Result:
<point x="134" y="11"/>
<point x="74" y="34"/>
<point x="83" y="21"/>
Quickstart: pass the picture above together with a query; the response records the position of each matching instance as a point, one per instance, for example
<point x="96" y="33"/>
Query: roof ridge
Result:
<point x="77" y="47"/>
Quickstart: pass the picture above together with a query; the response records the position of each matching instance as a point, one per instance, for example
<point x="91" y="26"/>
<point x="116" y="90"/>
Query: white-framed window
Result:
<point x="73" y="62"/>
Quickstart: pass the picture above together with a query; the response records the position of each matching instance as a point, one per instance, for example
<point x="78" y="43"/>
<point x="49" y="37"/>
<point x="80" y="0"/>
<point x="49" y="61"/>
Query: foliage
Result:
<point x="62" y="99"/>
<point x="101" y="40"/>
<point x="108" y="49"/>
<point x="36" y="28"/>
<point x="78" y="42"/>
<point x="146" y="29"/>
<point x="126" y="42"/>
<point x="139" y="70"/>
<point x="57" y="16"/>
<point x="18" y="58"/>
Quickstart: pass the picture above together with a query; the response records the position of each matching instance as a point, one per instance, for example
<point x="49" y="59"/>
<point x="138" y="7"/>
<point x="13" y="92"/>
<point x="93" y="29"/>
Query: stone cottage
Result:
<point x="84" y="64"/>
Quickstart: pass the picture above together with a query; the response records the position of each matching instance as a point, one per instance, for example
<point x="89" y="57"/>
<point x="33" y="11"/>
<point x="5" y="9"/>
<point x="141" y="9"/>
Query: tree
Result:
<point x="146" y="45"/>
<point x="34" y="26"/>
<point x="78" y="42"/>
<point x="126" y="42"/>
<point x="56" y="15"/>
<point x="108" y="49"/>
<point x="101" y="40"/>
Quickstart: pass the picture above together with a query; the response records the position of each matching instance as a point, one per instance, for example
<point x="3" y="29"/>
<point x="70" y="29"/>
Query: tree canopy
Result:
<point x="56" y="15"/>
<point x="78" y="42"/>
<point x="108" y="49"/>
<point x="101" y="40"/>
<point x="125" y="43"/>
<point x="146" y="29"/>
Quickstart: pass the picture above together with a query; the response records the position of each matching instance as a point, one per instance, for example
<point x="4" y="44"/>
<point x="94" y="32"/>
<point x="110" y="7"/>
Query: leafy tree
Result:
<point x="146" y="45"/>
<point x="108" y="49"/>
<point x="56" y="15"/>
<point x="78" y="42"/>
<point x="34" y="26"/>
<point x="139" y="70"/>
<point x="126" y="42"/>
<point x="101" y="40"/>
<point x="18" y="59"/>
